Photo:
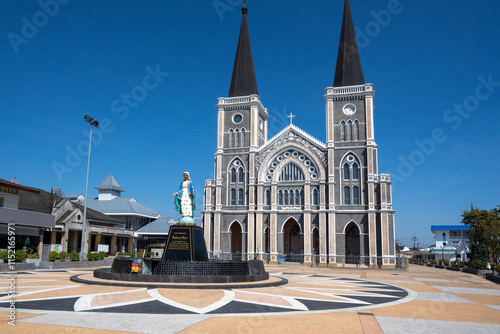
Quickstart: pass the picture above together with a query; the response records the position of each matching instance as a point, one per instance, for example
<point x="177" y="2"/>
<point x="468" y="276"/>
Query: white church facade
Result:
<point x="294" y="197"/>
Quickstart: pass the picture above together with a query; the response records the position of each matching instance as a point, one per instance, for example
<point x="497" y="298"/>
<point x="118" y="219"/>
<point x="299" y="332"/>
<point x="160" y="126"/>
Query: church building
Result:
<point x="292" y="196"/>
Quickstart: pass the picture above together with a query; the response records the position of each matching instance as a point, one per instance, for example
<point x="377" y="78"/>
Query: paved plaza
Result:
<point x="314" y="300"/>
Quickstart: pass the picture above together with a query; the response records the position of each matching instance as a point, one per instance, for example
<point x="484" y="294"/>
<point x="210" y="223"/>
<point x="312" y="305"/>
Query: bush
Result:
<point x="33" y="256"/>
<point x="31" y="251"/>
<point x="446" y="262"/>
<point x="149" y="254"/>
<point x="483" y="265"/>
<point x="4" y="255"/>
<point x="92" y="256"/>
<point x="74" y="256"/>
<point x="119" y="253"/>
<point x="63" y="256"/>
<point x="132" y="255"/>
<point x="497" y="268"/>
<point x="53" y="256"/>
<point x="102" y="255"/>
<point x="433" y="261"/>
<point x="20" y="255"/>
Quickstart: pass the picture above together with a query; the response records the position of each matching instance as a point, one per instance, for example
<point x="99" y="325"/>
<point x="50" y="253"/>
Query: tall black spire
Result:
<point x="243" y="81"/>
<point x="348" y="71"/>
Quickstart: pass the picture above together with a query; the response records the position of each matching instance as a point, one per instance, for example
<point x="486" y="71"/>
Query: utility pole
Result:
<point x="414" y="238"/>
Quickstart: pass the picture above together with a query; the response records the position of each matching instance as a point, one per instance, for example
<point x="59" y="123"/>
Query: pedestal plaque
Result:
<point x="185" y="243"/>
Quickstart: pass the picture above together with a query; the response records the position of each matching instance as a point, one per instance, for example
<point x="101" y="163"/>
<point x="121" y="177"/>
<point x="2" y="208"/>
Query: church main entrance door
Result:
<point x="236" y="238"/>
<point x="293" y="241"/>
<point x="352" y="248"/>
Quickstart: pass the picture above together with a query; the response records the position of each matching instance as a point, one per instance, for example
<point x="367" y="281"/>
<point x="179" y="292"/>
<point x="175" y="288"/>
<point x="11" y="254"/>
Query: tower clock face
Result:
<point x="349" y="109"/>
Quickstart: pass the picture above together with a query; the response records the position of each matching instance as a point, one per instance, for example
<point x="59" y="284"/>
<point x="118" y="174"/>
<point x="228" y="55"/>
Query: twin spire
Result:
<point x="348" y="71"/>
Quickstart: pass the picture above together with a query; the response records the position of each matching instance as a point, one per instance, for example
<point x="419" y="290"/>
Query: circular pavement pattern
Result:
<point x="52" y="291"/>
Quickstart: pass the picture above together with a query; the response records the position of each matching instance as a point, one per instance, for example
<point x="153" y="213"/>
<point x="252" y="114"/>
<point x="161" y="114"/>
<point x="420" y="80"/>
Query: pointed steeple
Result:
<point x="348" y="71"/>
<point x="243" y="81"/>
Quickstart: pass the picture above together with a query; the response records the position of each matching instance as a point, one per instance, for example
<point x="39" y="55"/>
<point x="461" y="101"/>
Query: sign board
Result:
<point x="103" y="248"/>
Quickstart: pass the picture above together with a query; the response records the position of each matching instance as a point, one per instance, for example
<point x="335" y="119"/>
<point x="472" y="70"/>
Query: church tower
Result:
<point x="241" y="129"/>
<point x="293" y="197"/>
<point x="359" y="198"/>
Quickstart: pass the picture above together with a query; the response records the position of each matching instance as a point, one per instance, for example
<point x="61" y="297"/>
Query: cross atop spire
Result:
<point x="348" y="71"/>
<point x="291" y="116"/>
<point x="243" y="80"/>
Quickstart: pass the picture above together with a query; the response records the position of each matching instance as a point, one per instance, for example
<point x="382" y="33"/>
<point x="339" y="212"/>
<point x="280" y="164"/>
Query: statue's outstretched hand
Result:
<point x="175" y="194"/>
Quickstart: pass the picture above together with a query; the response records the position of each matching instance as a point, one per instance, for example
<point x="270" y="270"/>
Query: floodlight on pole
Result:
<point x="92" y="123"/>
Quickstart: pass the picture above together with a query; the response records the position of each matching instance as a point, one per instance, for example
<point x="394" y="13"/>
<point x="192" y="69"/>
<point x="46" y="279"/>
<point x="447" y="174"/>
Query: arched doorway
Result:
<point x="236" y="240"/>
<point x="315" y="236"/>
<point x="352" y="242"/>
<point x="293" y="241"/>
<point x="267" y="244"/>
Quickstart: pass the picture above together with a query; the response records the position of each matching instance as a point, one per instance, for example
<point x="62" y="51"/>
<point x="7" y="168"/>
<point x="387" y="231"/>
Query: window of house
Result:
<point x="355" y="171"/>
<point x="233" y="175"/>
<point x="268" y="197"/>
<point x="347" y="174"/>
<point x="315" y="197"/>
<point x="2" y="201"/>
<point x="280" y="197"/>
<point x="241" y="175"/>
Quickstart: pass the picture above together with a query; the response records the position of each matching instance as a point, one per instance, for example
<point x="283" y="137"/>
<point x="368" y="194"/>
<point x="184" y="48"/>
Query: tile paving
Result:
<point x="321" y="300"/>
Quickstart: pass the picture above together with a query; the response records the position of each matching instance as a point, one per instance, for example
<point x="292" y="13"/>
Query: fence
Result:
<point x="345" y="261"/>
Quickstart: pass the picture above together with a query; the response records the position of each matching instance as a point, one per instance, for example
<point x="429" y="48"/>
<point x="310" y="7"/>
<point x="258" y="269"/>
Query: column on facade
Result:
<point x="322" y="226"/>
<point x="307" y="225"/>
<point x="258" y="220"/>
<point x="274" y="238"/>
<point x="112" y="249"/>
<point x="65" y="237"/>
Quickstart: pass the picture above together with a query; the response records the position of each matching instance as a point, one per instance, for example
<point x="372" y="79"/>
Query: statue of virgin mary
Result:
<point x="184" y="199"/>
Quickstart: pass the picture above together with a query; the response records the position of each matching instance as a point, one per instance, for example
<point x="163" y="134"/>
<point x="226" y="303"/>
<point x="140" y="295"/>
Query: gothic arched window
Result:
<point x="349" y="131"/>
<point x="233" y="175"/>
<point x="280" y="197"/>
<point x="355" y="171"/>
<point x="291" y="172"/>
<point x="268" y="197"/>
<point x="237" y="138"/>
<point x="231" y="138"/>
<point x="233" y="197"/>
<point x="355" y="130"/>
<point x="315" y="197"/>
<point x="241" y="198"/>
<point x="342" y="131"/>
<point x="346" y="172"/>
<point x="355" y="195"/>
<point x="286" y="197"/>
<point x="297" y="197"/>
<point x="241" y="175"/>
<point x="242" y="138"/>
<point x="302" y="197"/>
<point x="347" y="195"/>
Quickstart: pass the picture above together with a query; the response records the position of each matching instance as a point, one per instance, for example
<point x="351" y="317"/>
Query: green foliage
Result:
<point x="74" y="256"/>
<point x="20" y="255"/>
<point x="32" y="250"/>
<point x="132" y="255"/>
<point x="434" y="261"/>
<point x="119" y="253"/>
<point x="63" y="256"/>
<point x="478" y="264"/>
<point x="102" y="255"/>
<point x="33" y="256"/>
<point x="53" y="256"/>
<point x="446" y="262"/>
<point x="497" y="268"/>
<point x="149" y="254"/>
<point x="4" y="255"/>
<point x="92" y="256"/>
<point x="484" y="232"/>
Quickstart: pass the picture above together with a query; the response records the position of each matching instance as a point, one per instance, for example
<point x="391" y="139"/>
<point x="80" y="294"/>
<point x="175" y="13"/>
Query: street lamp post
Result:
<point x="95" y="123"/>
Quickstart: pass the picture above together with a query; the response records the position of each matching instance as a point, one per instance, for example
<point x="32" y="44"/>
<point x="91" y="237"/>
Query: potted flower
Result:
<point x="33" y="258"/>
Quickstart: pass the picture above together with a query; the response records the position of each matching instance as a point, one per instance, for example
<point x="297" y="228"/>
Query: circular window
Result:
<point x="280" y="159"/>
<point x="287" y="154"/>
<point x="314" y="176"/>
<point x="307" y="163"/>
<point x="295" y="154"/>
<point x="236" y="163"/>
<point x="271" y="170"/>
<point x="237" y="118"/>
<point x="269" y="177"/>
<point x="350" y="158"/>
<point x="302" y="158"/>
<point x="274" y="164"/>
<point x="312" y="169"/>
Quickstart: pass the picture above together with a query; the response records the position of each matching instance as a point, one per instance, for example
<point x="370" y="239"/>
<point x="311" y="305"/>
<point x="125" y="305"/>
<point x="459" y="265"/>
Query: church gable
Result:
<point x="293" y="142"/>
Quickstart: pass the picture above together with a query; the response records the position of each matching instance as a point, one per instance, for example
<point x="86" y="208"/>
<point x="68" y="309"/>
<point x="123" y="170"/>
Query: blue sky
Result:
<point x="435" y="67"/>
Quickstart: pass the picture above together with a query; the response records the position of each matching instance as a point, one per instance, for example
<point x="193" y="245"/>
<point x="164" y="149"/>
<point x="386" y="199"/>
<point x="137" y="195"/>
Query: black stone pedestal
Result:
<point x="185" y="243"/>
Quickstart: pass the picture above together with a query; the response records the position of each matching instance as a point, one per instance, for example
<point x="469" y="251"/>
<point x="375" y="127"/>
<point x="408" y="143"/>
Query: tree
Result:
<point x="484" y="232"/>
